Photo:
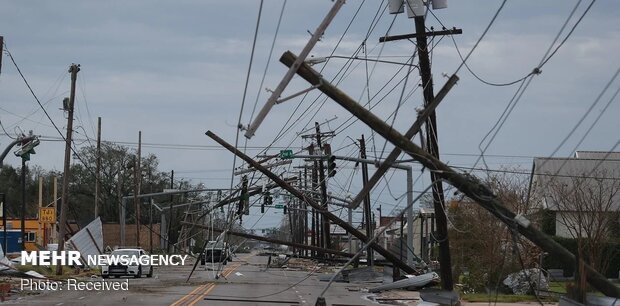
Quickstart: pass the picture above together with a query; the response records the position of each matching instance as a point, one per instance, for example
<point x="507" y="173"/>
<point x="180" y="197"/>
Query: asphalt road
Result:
<point x="243" y="281"/>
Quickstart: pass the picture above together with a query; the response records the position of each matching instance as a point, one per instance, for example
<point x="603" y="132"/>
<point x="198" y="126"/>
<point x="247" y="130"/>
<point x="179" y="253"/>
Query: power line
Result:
<point x="273" y="43"/>
<point x="481" y="36"/>
<point x="524" y="85"/>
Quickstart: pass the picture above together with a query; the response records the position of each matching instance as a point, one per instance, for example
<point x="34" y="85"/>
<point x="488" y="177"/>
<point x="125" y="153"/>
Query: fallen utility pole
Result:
<point x="468" y="185"/>
<point x="271" y="240"/>
<point x="346" y="226"/>
<point x="413" y="130"/>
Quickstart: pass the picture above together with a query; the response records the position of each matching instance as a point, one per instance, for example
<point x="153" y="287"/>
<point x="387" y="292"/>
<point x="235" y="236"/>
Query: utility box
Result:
<point x="14" y="243"/>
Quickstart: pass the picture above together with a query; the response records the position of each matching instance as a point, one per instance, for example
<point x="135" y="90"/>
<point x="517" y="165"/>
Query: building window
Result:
<point x="31" y="237"/>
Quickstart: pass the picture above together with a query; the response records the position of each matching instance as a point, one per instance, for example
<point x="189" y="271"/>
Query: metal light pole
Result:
<point x="23" y="215"/>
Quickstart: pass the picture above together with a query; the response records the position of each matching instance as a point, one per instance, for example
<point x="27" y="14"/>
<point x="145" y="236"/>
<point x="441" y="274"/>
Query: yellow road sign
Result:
<point x="47" y="215"/>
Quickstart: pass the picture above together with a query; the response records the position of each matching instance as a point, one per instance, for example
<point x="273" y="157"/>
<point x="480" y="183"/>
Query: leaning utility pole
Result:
<point x="468" y="185"/>
<point x="367" y="208"/>
<point x="64" y="203"/>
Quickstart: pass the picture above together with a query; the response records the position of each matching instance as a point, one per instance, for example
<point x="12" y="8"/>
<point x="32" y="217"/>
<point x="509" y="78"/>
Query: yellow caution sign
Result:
<point x="47" y="215"/>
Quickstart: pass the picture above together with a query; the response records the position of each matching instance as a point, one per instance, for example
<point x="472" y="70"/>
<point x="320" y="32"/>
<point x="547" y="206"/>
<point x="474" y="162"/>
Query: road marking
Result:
<point x="201" y="291"/>
<point x="81" y="298"/>
<point x="187" y="296"/>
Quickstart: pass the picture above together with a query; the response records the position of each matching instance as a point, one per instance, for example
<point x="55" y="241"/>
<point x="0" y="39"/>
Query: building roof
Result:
<point x="587" y="168"/>
<point x="597" y="155"/>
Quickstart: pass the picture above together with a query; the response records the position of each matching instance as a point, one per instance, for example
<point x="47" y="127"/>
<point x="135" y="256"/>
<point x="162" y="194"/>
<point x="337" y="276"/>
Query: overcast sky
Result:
<point x="175" y="69"/>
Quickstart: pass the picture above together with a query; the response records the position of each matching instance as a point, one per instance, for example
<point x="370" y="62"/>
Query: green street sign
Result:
<point x="286" y="154"/>
<point x="280" y="206"/>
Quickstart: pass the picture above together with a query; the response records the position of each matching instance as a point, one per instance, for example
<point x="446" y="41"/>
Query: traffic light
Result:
<point x="266" y="197"/>
<point x="331" y="166"/>
<point x="27" y="148"/>
<point x="244" y="200"/>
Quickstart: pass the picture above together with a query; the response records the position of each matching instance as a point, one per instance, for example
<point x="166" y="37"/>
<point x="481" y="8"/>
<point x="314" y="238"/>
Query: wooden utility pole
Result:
<point x="40" y="237"/>
<point x="169" y="231"/>
<point x="325" y="222"/>
<point x="326" y="214"/>
<point x="367" y="209"/>
<point x="433" y="149"/>
<point x="98" y="169"/>
<point x="1" y="50"/>
<point x="316" y="228"/>
<point x="137" y="178"/>
<point x="55" y="202"/>
<point x="74" y="69"/>
<point x="468" y="185"/>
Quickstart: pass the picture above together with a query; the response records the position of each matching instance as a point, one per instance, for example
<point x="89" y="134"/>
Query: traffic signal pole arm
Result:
<point x="12" y="144"/>
<point x="468" y="185"/>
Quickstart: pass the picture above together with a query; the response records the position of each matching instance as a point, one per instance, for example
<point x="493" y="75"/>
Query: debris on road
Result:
<point x="524" y="281"/>
<point x="414" y="281"/>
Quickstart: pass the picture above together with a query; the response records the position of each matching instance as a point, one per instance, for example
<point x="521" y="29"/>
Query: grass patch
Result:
<point x="559" y="287"/>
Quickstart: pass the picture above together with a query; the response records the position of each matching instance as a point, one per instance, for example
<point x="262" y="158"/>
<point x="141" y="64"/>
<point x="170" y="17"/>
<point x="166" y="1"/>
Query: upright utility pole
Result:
<point x="169" y="231"/>
<point x="316" y="229"/>
<point x="2" y="202"/>
<point x="433" y="148"/>
<point x="137" y="177"/>
<point x="367" y="209"/>
<point x="1" y="49"/>
<point x="325" y="222"/>
<point x="74" y="69"/>
<point x="98" y="170"/>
